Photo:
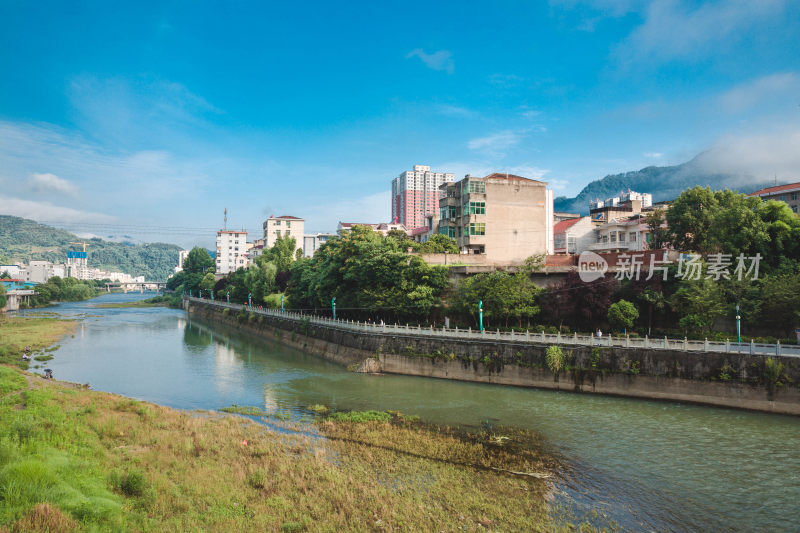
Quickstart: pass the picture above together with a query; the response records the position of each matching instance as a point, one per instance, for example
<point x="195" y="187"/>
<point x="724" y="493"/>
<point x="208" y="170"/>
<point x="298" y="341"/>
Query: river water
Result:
<point x="638" y="465"/>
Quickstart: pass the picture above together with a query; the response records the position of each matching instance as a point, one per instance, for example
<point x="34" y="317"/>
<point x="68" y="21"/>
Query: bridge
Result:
<point x="133" y="285"/>
<point x="16" y="296"/>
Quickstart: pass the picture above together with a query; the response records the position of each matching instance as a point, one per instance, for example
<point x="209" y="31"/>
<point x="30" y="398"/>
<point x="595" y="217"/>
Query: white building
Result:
<point x="39" y="271"/>
<point x="15" y="271"/>
<point x="415" y="195"/>
<point x="312" y="242"/>
<point x="625" y="199"/>
<point x="382" y="228"/>
<point x="231" y="251"/>
<point x="573" y="236"/>
<point x="181" y="258"/>
<point x="283" y="226"/>
<point x="622" y="235"/>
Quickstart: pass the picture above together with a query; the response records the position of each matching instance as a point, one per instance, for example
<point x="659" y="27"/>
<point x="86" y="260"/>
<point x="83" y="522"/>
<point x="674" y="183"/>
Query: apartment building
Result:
<point x="382" y="228"/>
<point x="626" y="234"/>
<point x="507" y="217"/>
<point x="416" y="194"/>
<point x="625" y="205"/>
<point x="283" y="226"/>
<point x="573" y="236"/>
<point x="790" y="194"/>
<point x="231" y="251"/>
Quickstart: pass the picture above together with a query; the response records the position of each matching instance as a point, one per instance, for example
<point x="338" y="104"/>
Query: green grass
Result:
<point x="243" y="410"/>
<point x="361" y="416"/>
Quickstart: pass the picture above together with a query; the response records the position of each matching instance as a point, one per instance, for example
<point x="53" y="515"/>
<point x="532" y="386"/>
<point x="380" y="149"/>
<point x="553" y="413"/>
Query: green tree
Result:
<point x="207" y="282"/>
<point x="659" y="233"/>
<point x="505" y="296"/>
<point x="5" y="275"/>
<point x="438" y="244"/>
<point x="197" y="261"/>
<point x="622" y="315"/>
<point x="699" y="303"/>
<point x="2" y="295"/>
<point x="282" y="253"/>
<point x="260" y="278"/>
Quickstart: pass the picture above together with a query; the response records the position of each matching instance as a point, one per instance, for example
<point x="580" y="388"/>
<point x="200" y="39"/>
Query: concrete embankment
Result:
<point x="762" y="383"/>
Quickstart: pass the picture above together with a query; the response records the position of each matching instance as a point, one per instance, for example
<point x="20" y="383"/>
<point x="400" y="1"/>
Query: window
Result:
<point x="450" y="231"/>
<point x="277" y="233"/>
<point x="613" y="236"/>
<point x="621" y="237"/>
<point x="288" y="223"/>
<point x="474" y="208"/>
<point x="477" y="186"/>
<point x="477" y="228"/>
<point x="794" y="196"/>
<point x="633" y="236"/>
<point x="277" y="222"/>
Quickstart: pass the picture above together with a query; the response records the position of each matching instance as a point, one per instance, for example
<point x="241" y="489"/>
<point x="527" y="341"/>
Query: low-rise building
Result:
<point x="181" y="258"/>
<point x="14" y="271"/>
<point x="790" y="194"/>
<point x="625" y="205"/>
<point x="573" y="236"/>
<point x="382" y="228"/>
<point x="231" y="251"/>
<point x="627" y="234"/>
<point x="559" y="216"/>
<point x="312" y="242"/>
<point x="509" y="218"/>
<point x="282" y="227"/>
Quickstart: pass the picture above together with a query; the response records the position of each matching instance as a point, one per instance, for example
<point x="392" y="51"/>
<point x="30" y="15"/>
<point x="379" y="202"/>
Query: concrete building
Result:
<point x="509" y="218"/>
<point x="283" y="226"/>
<point x="431" y="228"/>
<point x="559" y="216"/>
<point x="416" y="194"/>
<point x="231" y="251"/>
<point x="625" y="205"/>
<point x="789" y="194"/>
<point x="39" y="271"/>
<point x="573" y="236"/>
<point x="382" y="228"/>
<point x="626" y="234"/>
<point x="14" y="271"/>
<point x="181" y="258"/>
<point x="312" y="242"/>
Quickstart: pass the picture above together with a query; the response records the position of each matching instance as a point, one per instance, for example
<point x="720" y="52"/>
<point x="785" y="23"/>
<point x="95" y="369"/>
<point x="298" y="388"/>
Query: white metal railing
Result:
<point x="751" y="348"/>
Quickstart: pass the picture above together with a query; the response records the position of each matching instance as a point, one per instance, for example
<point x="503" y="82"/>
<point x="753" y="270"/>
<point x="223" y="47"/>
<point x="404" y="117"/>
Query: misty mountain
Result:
<point x="22" y="240"/>
<point x="664" y="183"/>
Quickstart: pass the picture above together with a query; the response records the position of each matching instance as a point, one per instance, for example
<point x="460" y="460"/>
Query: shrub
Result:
<point x="133" y="483"/>
<point x="555" y="359"/>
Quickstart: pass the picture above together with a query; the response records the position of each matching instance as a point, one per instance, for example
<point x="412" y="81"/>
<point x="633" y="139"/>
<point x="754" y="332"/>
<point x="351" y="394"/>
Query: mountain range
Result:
<point x="664" y="183"/>
<point x="22" y="240"/>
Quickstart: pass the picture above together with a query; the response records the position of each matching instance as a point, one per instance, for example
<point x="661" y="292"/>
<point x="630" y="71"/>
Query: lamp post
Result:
<point x="228" y="296"/>
<point x="281" y="302"/>
<point x="738" y="325"/>
<point x="250" y="300"/>
<point x="333" y="305"/>
<point x="480" y="314"/>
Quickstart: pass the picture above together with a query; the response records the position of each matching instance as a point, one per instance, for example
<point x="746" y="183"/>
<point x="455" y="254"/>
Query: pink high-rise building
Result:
<point x="415" y="195"/>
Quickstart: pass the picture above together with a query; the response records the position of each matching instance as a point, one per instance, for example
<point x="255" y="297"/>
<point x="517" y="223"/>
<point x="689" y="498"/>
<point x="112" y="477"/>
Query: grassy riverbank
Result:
<point x="37" y="332"/>
<point x="73" y="458"/>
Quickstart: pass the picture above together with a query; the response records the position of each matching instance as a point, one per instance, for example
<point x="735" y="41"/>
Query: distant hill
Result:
<point x="664" y="183"/>
<point x="22" y="240"/>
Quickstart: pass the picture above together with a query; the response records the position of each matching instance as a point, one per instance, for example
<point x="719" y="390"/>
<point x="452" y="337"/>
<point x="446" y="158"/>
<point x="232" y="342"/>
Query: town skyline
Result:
<point x="269" y="111"/>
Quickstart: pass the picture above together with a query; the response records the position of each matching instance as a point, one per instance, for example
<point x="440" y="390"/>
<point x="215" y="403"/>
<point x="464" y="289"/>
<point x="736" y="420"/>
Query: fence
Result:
<point x="659" y="343"/>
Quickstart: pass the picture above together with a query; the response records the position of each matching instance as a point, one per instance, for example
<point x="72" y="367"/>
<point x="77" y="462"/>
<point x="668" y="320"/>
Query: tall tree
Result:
<point x="197" y="261"/>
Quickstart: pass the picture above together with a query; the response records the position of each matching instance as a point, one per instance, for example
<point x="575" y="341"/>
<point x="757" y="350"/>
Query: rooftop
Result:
<point x="780" y="188"/>
<point x="564" y="225"/>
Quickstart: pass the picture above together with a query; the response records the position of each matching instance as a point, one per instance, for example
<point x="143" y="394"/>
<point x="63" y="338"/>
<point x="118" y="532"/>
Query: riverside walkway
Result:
<point x="659" y="343"/>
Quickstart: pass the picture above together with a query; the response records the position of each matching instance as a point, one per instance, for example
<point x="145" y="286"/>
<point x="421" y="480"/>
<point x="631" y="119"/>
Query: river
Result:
<point x="639" y="465"/>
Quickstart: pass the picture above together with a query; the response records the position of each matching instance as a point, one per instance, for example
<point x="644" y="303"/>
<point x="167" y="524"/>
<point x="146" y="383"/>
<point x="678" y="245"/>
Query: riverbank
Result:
<point x="40" y="333"/>
<point x="71" y="457"/>
<point x="724" y="379"/>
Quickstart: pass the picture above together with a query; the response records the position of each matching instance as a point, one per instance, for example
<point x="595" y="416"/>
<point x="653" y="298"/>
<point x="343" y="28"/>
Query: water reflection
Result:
<point x="646" y="465"/>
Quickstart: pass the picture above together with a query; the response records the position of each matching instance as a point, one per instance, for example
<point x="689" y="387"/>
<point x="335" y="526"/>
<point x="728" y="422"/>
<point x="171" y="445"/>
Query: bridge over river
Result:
<point x="133" y="285"/>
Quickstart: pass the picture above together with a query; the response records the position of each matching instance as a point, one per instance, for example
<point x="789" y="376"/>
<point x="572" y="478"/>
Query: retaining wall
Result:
<point x="714" y="378"/>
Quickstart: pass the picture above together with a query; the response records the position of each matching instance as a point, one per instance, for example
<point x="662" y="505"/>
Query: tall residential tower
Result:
<point x="415" y="195"/>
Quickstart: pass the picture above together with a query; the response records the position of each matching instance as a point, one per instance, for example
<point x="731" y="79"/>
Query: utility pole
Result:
<point x="225" y="222"/>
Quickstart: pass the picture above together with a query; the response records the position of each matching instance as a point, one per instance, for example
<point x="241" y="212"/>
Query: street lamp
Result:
<point x="333" y="305"/>
<point x="738" y="325"/>
<point x="480" y="314"/>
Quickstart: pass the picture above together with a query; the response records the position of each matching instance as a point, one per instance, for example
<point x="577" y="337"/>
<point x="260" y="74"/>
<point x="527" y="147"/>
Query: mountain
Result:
<point x="664" y="183"/>
<point x="22" y="240"/>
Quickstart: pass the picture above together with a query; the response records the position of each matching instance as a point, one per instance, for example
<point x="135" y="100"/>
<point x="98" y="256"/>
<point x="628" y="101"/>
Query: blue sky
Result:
<point x="163" y="114"/>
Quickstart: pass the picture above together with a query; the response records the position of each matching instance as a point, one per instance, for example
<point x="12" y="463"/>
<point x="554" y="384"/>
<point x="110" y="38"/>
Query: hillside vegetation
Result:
<point x="22" y="240"/>
<point x="664" y="183"/>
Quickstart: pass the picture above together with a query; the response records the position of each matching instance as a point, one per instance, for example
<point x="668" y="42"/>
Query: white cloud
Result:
<point x="759" y="155"/>
<point x="783" y="85"/>
<point x="440" y="60"/>
<point x="653" y="155"/>
<point x="672" y="29"/>
<point x="496" y="143"/>
<point x="47" y="212"/>
<point x="50" y="183"/>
